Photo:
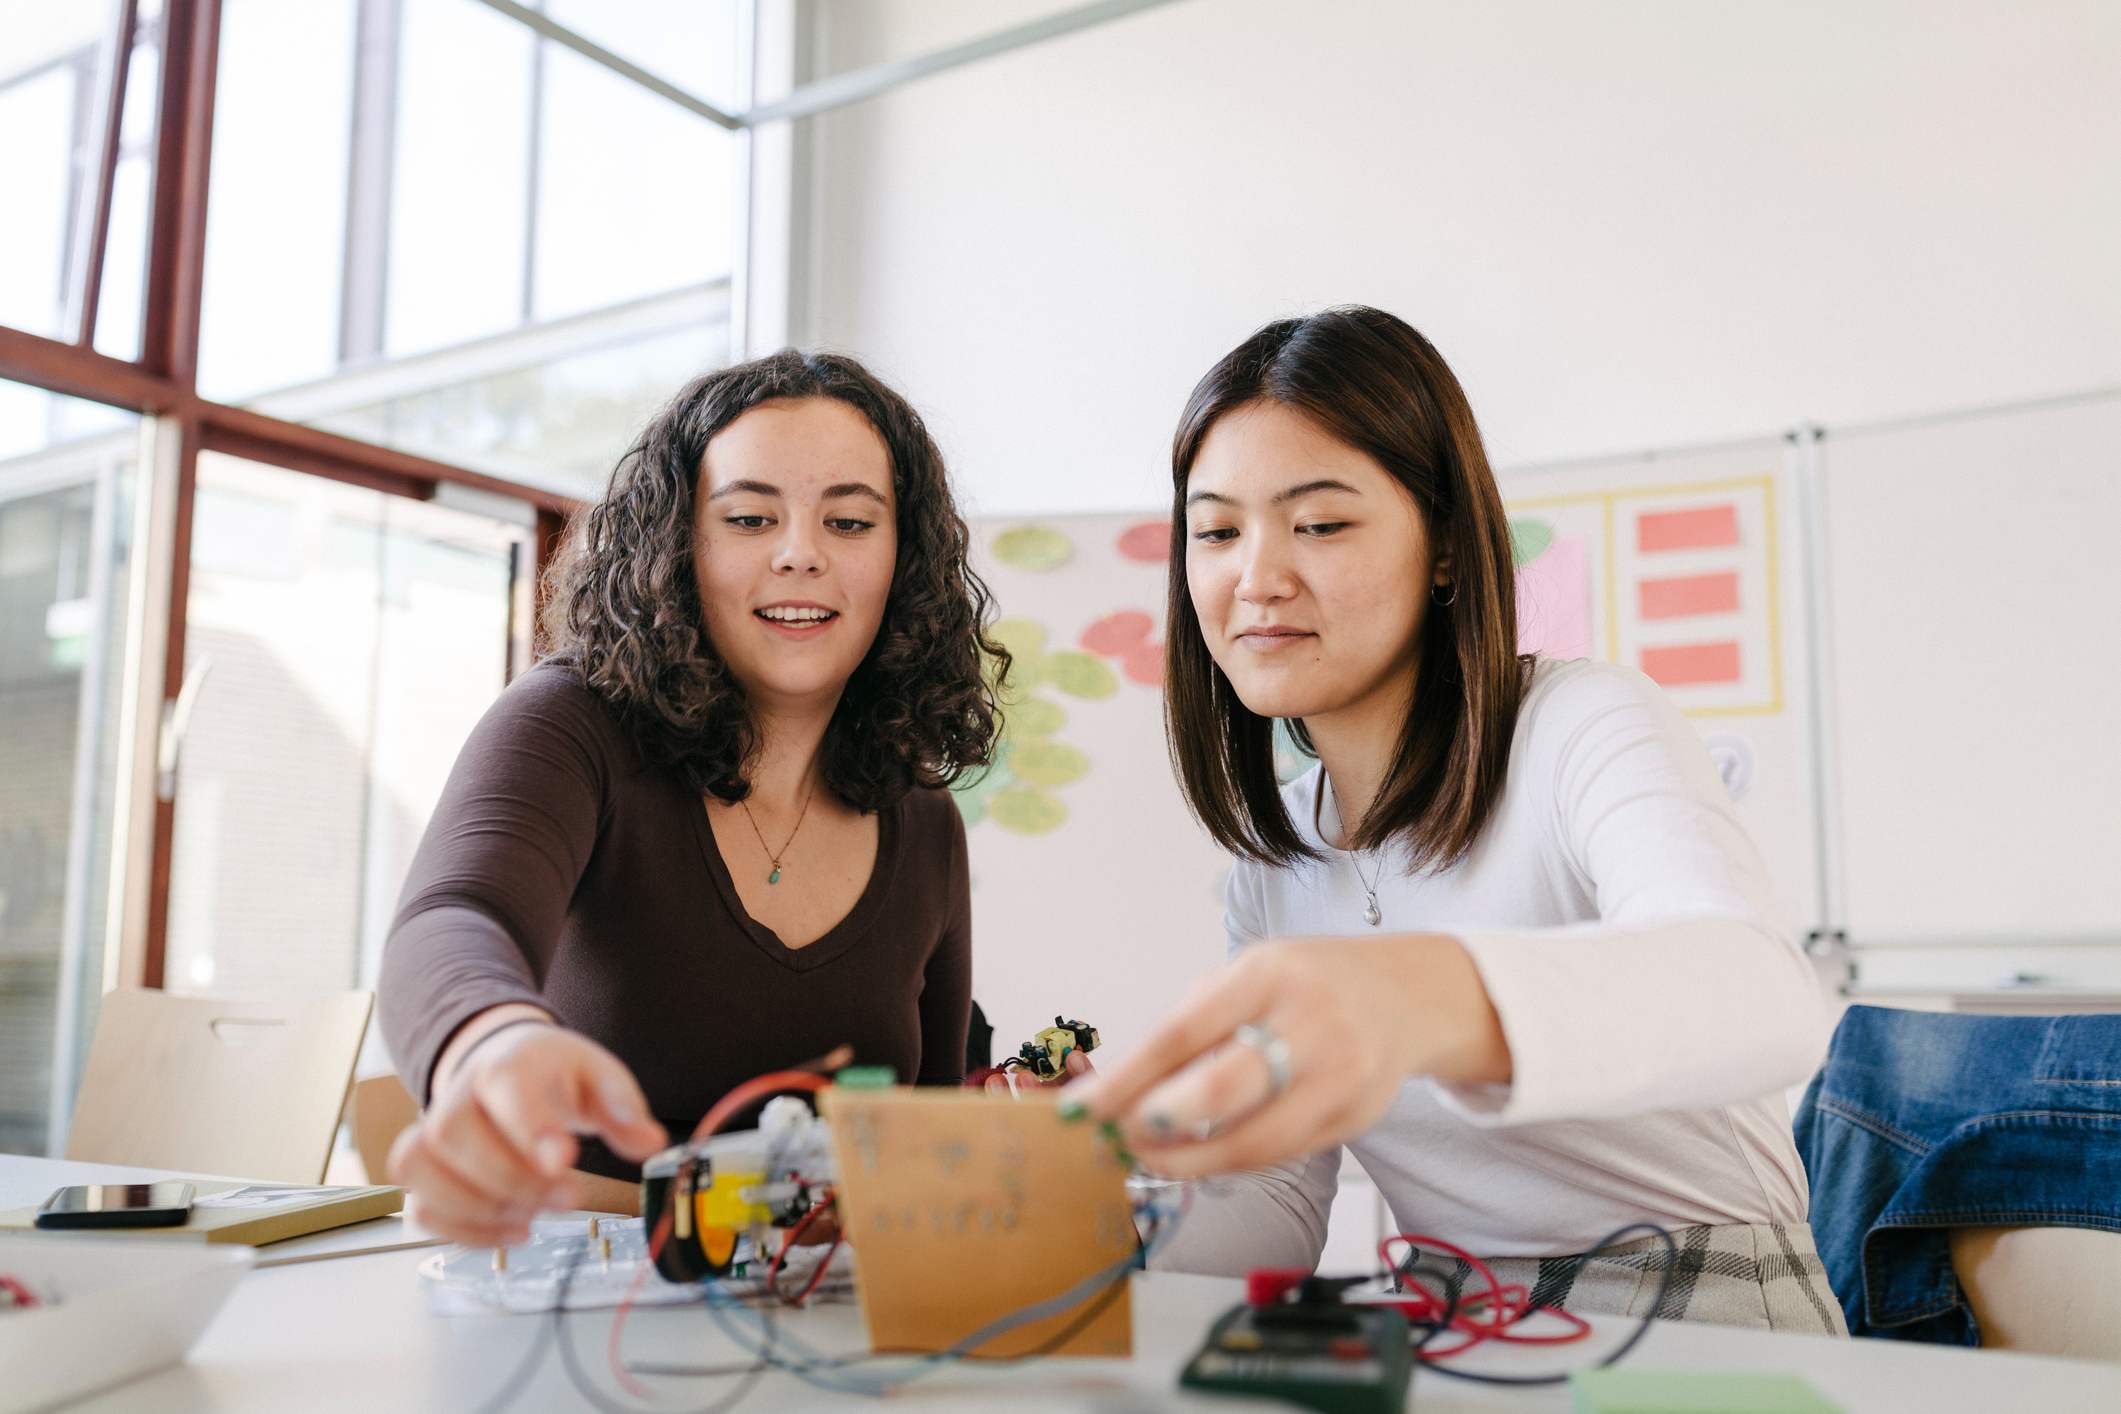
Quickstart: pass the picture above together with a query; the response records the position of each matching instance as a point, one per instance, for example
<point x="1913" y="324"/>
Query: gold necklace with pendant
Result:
<point x="775" y="876"/>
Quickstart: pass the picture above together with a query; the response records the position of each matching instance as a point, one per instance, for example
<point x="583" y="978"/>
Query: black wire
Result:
<point x="1642" y="1328"/>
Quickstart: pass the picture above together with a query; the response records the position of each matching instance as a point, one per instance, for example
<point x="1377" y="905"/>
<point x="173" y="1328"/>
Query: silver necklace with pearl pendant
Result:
<point x="1371" y="913"/>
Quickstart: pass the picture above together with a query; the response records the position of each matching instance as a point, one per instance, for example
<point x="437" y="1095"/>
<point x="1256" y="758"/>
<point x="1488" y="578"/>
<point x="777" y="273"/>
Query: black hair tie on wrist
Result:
<point x="472" y="1049"/>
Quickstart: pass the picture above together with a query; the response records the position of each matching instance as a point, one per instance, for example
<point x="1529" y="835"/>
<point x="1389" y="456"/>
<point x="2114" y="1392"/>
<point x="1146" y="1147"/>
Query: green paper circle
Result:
<point x="1033" y="717"/>
<point x="1027" y="810"/>
<point x="1033" y="547"/>
<point x="1080" y="674"/>
<point x="1529" y="540"/>
<point x="1048" y="763"/>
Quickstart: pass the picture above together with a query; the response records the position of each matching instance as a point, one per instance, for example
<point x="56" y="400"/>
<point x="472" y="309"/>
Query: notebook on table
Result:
<point x="251" y="1214"/>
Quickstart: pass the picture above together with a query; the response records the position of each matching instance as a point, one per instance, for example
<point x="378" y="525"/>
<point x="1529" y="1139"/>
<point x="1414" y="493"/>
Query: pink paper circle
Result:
<point x="1144" y="664"/>
<point x="1148" y="543"/>
<point x="1115" y="633"/>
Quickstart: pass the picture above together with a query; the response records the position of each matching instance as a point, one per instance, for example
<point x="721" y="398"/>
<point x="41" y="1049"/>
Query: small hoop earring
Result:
<point x="1442" y="601"/>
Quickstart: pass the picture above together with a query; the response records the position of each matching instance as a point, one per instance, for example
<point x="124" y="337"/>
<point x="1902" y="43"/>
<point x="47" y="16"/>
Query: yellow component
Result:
<point x="718" y="1244"/>
<point x="1241" y="1339"/>
<point x="722" y="1211"/>
<point x="722" y="1202"/>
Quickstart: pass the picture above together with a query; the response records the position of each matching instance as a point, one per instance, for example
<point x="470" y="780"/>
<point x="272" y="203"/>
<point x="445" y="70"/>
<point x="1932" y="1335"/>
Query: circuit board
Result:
<point x="599" y="1268"/>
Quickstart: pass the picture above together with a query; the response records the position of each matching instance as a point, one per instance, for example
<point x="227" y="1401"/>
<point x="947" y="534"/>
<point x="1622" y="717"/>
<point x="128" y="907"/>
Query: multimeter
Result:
<point x="1307" y="1349"/>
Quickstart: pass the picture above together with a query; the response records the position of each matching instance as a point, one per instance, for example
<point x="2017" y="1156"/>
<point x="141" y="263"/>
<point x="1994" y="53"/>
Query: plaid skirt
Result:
<point x="1766" y="1276"/>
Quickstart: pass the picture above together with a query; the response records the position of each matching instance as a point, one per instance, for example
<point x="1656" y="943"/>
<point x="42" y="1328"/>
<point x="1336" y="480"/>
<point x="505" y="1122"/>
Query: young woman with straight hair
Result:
<point x="1507" y="942"/>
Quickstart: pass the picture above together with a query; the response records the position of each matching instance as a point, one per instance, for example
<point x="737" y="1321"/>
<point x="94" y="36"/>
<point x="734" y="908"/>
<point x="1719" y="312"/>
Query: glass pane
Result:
<point x="460" y="197"/>
<point x="348" y="640"/>
<point x="65" y="554"/>
<point x="276" y="211"/>
<point x="690" y="43"/>
<point x="53" y="86"/>
<point x="558" y="424"/>
<point x="636" y="196"/>
<point x="38" y="114"/>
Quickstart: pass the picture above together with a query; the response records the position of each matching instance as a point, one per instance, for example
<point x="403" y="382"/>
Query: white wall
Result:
<point x="1626" y="224"/>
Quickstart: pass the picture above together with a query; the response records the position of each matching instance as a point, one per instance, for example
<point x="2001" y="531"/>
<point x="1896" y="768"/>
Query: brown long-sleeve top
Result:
<point x="561" y="870"/>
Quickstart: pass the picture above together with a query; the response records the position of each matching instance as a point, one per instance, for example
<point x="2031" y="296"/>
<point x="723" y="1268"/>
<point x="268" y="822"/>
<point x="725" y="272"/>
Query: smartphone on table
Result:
<point x="164" y="1204"/>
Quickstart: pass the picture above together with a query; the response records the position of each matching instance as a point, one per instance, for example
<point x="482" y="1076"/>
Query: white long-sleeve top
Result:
<point x="1655" y="1007"/>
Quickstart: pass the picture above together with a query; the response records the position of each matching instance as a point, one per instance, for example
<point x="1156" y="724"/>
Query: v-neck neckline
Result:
<point x="840" y="936"/>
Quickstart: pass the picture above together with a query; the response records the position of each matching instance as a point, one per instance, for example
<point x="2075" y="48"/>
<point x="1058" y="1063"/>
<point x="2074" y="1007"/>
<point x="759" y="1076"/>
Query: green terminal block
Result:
<point x="866" y="1077"/>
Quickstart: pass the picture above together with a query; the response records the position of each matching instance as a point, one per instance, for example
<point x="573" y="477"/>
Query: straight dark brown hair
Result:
<point x="1370" y="380"/>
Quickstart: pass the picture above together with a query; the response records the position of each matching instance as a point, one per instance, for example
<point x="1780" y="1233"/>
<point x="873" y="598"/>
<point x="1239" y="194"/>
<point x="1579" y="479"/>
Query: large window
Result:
<point x="66" y="516"/>
<point x="315" y="320"/>
<point x="417" y="184"/>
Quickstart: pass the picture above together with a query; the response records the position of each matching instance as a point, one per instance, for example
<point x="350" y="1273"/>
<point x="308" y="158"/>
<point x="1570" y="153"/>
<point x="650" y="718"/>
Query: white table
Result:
<point x="355" y="1333"/>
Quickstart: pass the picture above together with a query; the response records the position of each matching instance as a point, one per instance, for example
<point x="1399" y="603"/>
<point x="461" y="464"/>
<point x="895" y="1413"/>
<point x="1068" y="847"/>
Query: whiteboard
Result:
<point x="1694" y="566"/>
<point x="1975" y="593"/>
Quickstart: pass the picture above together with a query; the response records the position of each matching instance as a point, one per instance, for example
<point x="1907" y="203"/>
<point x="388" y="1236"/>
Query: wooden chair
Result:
<point x="2045" y="1290"/>
<point x="199" y="1085"/>
<point x="382" y="1109"/>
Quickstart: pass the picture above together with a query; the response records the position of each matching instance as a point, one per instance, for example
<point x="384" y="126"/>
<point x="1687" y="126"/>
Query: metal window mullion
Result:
<point x="80" y="191"/>
<point x="533" y="181"/>
<point x="371" y="169"/>
<point x="1830" y="932"/>
<point x="150" y="608"/>
<point x="89" y="750"/>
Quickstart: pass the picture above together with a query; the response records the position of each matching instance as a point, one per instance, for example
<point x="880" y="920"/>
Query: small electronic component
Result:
<point x="1046" y="1054"/>
<point x="1295" y="1340"/>
<point x="726" y="1186"/>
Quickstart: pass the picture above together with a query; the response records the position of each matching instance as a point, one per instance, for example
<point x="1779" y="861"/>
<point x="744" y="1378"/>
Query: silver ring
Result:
<point x="1260" y="1038"/>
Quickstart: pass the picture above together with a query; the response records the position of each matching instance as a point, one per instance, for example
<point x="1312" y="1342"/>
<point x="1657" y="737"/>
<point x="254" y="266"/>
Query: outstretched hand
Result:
<point x="496" y="1147"/>
<point x="1357" y="1017"/>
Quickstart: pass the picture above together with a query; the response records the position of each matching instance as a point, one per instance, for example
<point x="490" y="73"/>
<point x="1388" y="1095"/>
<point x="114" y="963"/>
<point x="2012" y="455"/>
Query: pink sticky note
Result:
<point x="1554" y="602"/>
<point x="1706" y="528"/>
<point x="1682" y="596"/>
<point x="1692" y="664"/>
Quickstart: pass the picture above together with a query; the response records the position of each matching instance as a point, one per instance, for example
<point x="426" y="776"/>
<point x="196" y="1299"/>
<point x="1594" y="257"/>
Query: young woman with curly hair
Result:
<point x="708" y="835"/>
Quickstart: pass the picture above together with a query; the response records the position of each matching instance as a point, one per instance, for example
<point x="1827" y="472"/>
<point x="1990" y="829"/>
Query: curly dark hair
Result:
<point x="623" y="605"/>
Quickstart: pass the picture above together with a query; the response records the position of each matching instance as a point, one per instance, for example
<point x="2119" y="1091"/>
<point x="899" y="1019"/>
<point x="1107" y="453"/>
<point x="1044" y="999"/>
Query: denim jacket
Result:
<point x="1921" y="1122"/>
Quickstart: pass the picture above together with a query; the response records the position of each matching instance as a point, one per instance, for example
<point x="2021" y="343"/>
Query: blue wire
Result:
<point x="719" y="1302"/>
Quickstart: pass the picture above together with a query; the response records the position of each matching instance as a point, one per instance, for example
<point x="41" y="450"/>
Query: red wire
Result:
<point x="819" y="1275"/>
<point x="1505" y="1305"/>
<point x="788" y="1239"/>
<point x="758" y="1088"/>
